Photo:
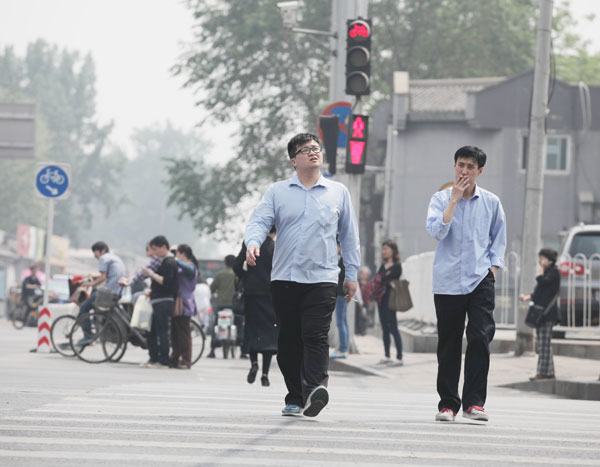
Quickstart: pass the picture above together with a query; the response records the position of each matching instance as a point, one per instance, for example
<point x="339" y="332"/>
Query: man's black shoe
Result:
<point x="317" y="400"/>
<point x="211" y="355"/>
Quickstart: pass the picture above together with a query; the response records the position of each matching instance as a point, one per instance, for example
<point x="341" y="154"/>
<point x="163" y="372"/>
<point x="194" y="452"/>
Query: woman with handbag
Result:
<point x="185" y="308"/>
<point x="545" y="295"/>
<point x="390" y="269"/>
<point x="260" y="331"/>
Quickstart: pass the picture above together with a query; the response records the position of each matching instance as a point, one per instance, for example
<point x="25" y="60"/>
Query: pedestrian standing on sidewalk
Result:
<point x="163" y="291"/>
<point x="470" y="225"/>
<point x="341" y="311"/>
<point x="260" y="322"/>
<point x="546" y="295"/>
<point x="390" y="270"/>
<point x="308" y="211"/>
<point x="181" y="332"/>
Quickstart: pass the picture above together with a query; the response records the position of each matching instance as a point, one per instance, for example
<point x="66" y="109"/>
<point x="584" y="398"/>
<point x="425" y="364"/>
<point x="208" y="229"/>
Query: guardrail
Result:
<point x="507" y="290"/>
<point x="580" y="290"/>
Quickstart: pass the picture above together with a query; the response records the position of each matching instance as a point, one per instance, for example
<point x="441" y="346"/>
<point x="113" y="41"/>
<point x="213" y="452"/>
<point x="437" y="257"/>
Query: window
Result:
<point x="556" y="153"/>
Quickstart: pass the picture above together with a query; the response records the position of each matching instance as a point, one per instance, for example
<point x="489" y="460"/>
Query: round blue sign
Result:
<point x="52" y="181"/>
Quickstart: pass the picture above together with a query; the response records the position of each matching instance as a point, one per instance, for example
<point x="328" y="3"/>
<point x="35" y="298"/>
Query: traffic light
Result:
<point x="329" y="126"/>
<point x="358" y="57"/>
<point x="356" y="153"/>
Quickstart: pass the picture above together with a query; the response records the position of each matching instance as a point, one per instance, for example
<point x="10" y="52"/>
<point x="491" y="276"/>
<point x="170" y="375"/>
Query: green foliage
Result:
<point x="144" y="212"/>
<point x="273" y="83"/>
<point x="62" y="85"/>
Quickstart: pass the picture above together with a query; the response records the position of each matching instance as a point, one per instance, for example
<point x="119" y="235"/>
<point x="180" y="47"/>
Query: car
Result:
<point x="579" y="266"/>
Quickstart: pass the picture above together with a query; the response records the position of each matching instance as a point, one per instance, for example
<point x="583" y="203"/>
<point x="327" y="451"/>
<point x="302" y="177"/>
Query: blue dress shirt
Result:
<point x="470" y="244"/>
<point x="307" y="222"/>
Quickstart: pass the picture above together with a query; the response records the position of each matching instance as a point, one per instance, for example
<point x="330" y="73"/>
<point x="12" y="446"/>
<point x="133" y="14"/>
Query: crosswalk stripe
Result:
<point x="287" y="449"/>
<point x="295" y="437"/>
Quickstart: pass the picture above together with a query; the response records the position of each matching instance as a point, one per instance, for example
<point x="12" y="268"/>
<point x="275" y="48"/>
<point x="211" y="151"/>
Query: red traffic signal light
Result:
<point x="358" y="57"/>
<point x="356" y="153"/>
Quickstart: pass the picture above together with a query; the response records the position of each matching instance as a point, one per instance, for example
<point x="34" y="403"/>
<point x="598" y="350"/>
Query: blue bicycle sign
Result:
<point x="52" y="180"/>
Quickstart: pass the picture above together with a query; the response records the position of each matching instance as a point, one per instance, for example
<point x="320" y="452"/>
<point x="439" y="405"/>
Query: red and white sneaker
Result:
<point x="445" y="415"/>
<point x="476" y="413"/>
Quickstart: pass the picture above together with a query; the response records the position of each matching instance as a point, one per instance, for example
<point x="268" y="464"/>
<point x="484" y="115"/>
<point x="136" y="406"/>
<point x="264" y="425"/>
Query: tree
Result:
<point x="247" y="69"/>
<point x="62" y="85"/>
<point x="143" y="213"/>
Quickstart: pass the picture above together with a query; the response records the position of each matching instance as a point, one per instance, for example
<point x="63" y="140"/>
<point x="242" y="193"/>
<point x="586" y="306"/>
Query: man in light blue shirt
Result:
<point x="470" y="225"/>
<point x="308" y="211"/>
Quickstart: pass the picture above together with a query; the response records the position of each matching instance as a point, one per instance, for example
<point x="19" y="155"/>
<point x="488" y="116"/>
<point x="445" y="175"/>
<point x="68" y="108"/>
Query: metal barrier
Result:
<point x="507" y="294"/>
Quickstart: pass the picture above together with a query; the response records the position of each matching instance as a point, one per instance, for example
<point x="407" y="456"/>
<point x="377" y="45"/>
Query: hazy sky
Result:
<point x="134" y="44"/>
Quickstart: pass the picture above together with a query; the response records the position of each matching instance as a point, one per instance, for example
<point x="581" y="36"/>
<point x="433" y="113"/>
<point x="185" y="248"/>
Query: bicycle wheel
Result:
<point x="100" y="343"/>
<point x="60" y="335"/>
<point x="19" y="316"/>
<point x="198" y="339"/>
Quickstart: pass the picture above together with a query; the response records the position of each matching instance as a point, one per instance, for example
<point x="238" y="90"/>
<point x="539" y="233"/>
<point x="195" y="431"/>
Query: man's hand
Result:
<point x="494" y="270"/>
<point x="252" y="253"/>
<point x="458" y="189"/>
<point x="123" y="281"/>
<point x="349" y="290"/>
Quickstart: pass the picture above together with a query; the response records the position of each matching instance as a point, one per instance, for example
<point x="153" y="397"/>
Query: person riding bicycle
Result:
<point x="28" y="290"/>
<point x="111" y="269"/>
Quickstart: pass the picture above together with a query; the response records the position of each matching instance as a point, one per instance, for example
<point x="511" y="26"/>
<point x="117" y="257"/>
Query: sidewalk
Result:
<point x="577" y="378"/>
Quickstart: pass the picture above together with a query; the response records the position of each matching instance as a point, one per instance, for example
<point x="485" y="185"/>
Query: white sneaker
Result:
<point x="384" y="361"/>
<point x="445" y="415"/>
<point x="476" y="413"/>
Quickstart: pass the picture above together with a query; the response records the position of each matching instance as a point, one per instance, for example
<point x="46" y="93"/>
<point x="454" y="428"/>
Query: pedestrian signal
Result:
<point x="356" y="153"/>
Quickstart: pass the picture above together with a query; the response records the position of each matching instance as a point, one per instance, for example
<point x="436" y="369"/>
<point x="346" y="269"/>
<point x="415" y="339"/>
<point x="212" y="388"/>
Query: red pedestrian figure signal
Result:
<point x="356" y="154"/>
<point x="358" y="127"/>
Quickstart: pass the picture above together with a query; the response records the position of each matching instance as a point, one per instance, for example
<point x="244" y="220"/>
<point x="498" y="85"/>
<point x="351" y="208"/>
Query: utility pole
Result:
<point x="536" y="164"/>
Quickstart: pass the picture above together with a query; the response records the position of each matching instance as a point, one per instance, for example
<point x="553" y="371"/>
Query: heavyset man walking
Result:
<point x="308" y="211"/>
<point x="470" y="225"/>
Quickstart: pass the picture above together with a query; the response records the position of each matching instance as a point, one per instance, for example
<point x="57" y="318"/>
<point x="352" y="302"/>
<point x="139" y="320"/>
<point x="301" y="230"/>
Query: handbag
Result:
<point x="400" y="299"/>
<point x="536" y="313"/>
<point x="238" y="304"/>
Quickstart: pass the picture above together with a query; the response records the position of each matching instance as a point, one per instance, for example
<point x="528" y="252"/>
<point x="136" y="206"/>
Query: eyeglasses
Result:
<point x="307" y="150"/>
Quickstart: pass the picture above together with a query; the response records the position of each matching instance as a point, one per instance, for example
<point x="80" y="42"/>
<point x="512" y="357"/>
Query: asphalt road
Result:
<point x="57" y="411"/>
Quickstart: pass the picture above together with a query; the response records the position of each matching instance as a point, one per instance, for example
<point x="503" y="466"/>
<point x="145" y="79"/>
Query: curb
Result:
<point x="338" y="364"/>
<point x="570" y="389"/>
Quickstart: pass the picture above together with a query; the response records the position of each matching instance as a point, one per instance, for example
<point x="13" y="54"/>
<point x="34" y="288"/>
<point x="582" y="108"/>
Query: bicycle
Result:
<point x="115" y="332"/>
<point x="25" y="312"/>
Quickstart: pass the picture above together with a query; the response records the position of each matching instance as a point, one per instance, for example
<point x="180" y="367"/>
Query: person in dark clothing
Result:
<point x="163" y="291"/>
<point x="260" y="331"/>
<point x="28" y="287"/>
<point x="390" y="269"/>
<point x="546" y="291"/>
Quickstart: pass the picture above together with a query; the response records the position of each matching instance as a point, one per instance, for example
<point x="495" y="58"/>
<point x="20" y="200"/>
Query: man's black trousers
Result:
<point x="451" y="311"/>
<point x="304" y="315"/>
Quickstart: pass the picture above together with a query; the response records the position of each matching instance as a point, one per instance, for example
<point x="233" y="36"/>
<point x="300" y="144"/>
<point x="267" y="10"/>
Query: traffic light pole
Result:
<point x="341" y="12"/>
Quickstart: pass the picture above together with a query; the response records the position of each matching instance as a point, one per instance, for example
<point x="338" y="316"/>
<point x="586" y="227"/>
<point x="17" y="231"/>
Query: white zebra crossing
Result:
<point x="224" y="424"/>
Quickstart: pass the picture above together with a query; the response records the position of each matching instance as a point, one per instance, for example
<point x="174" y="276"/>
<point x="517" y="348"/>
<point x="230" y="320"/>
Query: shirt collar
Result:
<point x="322" y="181"/>
<point x="477" y="192"/>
